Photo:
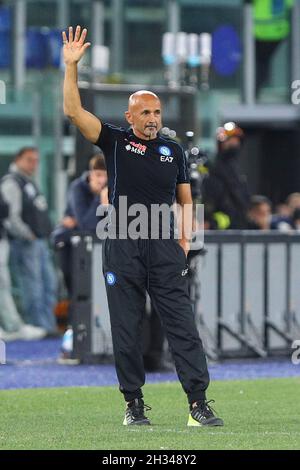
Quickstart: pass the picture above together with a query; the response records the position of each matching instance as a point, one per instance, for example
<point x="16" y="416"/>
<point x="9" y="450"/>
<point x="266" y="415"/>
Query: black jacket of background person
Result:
<point x="225" y="190"/>
<point x="4" y="211"/>
<point x="34" y="211"/>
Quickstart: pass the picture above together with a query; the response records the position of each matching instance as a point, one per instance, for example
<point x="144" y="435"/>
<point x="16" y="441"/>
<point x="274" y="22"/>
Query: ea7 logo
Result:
<point x="166" y="159"/>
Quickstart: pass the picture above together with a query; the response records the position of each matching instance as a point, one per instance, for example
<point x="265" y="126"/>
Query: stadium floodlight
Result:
<point x="205" y="48"/>
<point x="205" y="43"/>
<point x="100" y="59"/>
<point x="193" y="50"/>
<point x="182" y="47"/>
<point x="168" y="48"/>
<point x="183" y="54"/>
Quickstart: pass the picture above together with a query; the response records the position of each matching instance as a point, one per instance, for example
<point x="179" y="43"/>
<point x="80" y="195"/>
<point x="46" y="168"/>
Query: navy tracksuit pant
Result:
<point x="159" y="266"/>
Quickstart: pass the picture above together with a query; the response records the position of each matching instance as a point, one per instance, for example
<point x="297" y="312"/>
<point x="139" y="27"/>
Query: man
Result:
<point x="87" y="192"/>
<point x="225" y="190"/>
<point x="272" y="25"/>
<point x="260" y="216"/>
<point x="260" y="213"/>
<point x="11" y="325"/>
<point x="84" y="196"/>
<point x="138" y="169"/>
<point x="29" y="227"/>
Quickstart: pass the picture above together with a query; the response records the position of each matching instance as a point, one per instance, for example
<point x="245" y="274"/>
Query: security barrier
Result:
<point x="249" y="302"/>
<point x="89" y="310"/>
<point x="245" y="289"/>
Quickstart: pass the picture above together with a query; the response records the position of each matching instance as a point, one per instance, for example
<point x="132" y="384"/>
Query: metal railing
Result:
<point x="245" y="290"/>
<point x="249" y="301"/>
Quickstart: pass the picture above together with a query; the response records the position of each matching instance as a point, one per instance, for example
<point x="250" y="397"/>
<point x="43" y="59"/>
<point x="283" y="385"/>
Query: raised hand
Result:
<point x="74" y="48"/>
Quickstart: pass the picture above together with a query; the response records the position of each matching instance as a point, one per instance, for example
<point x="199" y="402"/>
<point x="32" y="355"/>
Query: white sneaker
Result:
<point x="8" y="336"/>
<point x="2" y="333"/>
<point x="30" y="332"/>
<point x="26" y="333"/>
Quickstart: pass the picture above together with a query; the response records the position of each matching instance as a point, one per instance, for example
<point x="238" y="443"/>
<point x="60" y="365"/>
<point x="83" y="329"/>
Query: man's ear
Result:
<point x="128" y="117"/>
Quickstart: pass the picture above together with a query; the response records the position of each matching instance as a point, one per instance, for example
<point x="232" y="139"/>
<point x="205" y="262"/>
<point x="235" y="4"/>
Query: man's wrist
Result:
<point x="185" y="240"/>
<point x="185" y="243"/>
<point x="71" y="63"/>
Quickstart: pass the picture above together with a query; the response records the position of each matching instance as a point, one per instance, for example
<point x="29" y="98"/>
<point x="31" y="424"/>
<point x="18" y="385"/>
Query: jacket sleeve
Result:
<point x="183" y="174"/>
<point x="4" y="210"/>
<point x="84" y="211"/>
<point x="14" y="224"/>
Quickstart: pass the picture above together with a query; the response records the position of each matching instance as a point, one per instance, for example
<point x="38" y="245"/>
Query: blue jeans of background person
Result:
<point x="10" y="319"/>
<point x="36" y="279"/>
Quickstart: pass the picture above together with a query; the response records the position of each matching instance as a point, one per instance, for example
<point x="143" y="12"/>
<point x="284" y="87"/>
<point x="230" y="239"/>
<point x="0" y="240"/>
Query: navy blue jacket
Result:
<point x="82" y="203"/>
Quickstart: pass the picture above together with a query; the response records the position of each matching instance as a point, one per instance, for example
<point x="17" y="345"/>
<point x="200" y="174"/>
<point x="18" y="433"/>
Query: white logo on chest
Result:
<point x="164" y="158"/>
<point x="137" y="148"/>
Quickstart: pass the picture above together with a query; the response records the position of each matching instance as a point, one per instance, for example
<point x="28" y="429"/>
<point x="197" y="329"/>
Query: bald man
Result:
<point x="148" y="170"/>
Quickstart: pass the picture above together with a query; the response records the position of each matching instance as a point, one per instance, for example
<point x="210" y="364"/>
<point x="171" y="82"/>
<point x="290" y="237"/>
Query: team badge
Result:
<point x="111" y="278"/>
<point x="163" y="150"/>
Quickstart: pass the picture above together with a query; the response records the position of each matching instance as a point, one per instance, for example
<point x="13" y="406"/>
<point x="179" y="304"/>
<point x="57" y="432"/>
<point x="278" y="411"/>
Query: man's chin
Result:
<point x="151" y="133"/>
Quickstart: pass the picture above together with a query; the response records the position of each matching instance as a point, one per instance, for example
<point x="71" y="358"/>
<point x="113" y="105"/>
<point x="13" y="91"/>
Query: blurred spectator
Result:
<point x="284" y="221"/>
<point x="282" y="210"/>
<point x="260" y="216"/>
<point x="29" y="227"/>
<point x="296" y="220"/>
<point x="85" y="194"/>
<point x="11" y="325"/>
<point x="293" y="202"/>
<point x="281" y="224"/>
<point x="259" y="213"/>
<point x="225" y="191"/>
<point x="271" y="28"/>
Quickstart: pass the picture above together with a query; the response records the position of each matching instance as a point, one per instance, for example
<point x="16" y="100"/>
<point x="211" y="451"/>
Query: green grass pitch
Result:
<point x="258" y="414"/>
